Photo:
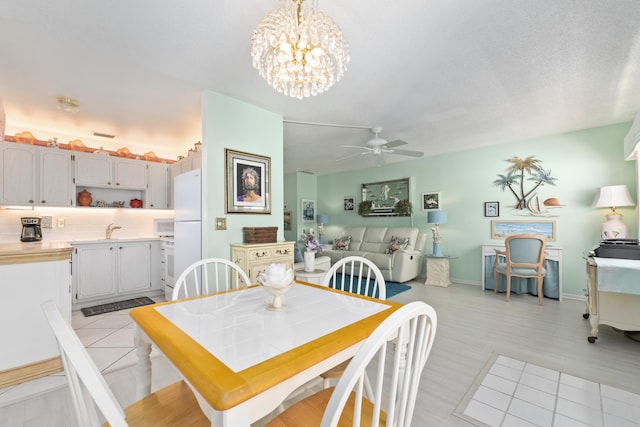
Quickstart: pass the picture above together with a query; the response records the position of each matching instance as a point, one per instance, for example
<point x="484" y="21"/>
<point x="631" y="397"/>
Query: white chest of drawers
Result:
<point x="254" y="258"/>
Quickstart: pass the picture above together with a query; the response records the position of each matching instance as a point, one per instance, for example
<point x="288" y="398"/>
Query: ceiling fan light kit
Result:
<point x="299" y="50"/>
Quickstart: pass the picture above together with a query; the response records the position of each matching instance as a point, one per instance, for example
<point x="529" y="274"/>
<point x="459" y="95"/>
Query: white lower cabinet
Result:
<point x="114" y="270"/>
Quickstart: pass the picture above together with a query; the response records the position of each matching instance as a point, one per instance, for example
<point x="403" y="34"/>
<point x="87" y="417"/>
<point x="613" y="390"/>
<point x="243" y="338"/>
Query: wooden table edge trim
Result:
<point x="266" y="374"/>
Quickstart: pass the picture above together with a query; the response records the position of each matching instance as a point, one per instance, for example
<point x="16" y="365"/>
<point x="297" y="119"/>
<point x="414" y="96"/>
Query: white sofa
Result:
<point x="401" y="265"/>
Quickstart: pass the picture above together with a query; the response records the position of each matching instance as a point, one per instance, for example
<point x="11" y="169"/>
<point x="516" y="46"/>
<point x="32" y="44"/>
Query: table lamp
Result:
<point x="322" y="220"/>
<point x="613" y="196"/>
<point x="437" y="218"/>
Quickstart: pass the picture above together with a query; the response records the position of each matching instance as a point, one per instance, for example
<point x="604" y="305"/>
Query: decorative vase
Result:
<point x="84" y="198"/>
<point x="309" y="260"/>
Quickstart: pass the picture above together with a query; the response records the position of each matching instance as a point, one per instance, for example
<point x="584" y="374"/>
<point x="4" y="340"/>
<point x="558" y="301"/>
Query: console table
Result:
<point x="615" y="301"/>
<point x="551" y="286"/>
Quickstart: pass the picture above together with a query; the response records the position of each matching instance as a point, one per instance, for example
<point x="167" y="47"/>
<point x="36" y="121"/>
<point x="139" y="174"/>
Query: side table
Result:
<point x="314" y="276"/>
<point x="438" y="271"/>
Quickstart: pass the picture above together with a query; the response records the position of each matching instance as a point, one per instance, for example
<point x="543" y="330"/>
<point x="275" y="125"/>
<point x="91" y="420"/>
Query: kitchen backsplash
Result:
<point x="83" y="223"/>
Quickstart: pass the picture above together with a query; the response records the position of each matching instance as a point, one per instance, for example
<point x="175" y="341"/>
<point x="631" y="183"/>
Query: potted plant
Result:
<point x="404" y="208"/>
<point x="365" y="207"/>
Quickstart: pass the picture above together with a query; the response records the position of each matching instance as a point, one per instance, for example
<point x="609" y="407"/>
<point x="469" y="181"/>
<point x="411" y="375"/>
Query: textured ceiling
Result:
<point x="442" y="75"/>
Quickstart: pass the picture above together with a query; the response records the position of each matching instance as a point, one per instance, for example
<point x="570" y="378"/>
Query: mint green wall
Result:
<point x="229" y="123"/>
<point x="300" y="186"/>
<point x="581" y="161"/>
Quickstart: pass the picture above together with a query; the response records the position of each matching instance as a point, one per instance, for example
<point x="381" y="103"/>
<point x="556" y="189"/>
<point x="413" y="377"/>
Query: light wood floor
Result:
<point x="473" y="324"/>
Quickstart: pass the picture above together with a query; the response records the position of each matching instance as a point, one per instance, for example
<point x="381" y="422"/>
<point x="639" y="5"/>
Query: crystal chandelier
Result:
<point x="299" y="50"/>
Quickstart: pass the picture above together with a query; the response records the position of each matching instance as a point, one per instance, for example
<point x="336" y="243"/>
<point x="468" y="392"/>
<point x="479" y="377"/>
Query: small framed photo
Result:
<point x="308" y="210"/>
<point x="431" y="202"/>
<point x="349" y="204"/>
<point x="491" y="209"/>
<point x="248" y="181"/>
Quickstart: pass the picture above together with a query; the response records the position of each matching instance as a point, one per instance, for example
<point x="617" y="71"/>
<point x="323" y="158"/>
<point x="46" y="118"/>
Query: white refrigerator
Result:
<point x="188" y="220"/>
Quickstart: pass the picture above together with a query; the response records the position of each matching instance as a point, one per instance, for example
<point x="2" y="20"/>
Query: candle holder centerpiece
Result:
<point x="276" y="280"/>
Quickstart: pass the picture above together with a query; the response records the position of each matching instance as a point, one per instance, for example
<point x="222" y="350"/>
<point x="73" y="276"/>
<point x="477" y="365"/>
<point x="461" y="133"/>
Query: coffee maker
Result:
<point x="31" y="231"/>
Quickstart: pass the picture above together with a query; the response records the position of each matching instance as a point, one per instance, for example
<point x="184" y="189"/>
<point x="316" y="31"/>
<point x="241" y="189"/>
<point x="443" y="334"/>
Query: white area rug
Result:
<point x="509" y="392"/>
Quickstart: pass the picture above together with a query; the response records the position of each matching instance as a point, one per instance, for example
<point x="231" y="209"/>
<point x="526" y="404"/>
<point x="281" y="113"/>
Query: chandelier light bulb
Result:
<point x="298" y="50"/>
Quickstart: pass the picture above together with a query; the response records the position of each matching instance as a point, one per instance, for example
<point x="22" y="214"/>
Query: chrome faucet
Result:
<point x="110" y="228"/>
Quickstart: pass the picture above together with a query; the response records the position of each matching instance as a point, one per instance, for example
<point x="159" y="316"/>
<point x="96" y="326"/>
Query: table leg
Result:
<point x="143" y="369"/>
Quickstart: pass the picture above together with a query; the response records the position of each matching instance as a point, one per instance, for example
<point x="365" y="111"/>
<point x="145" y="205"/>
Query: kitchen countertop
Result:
<point x="26" y="252"/>
<point x="113" y="240"/>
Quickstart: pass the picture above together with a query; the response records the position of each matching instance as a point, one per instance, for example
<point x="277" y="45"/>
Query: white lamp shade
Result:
<point x="613" y="196"/>
<point x="437" y="217"/>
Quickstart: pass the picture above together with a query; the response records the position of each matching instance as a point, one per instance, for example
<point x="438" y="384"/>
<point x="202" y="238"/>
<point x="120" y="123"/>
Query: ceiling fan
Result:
<point x="375" y="146"/>
<point x="378" y="145"/>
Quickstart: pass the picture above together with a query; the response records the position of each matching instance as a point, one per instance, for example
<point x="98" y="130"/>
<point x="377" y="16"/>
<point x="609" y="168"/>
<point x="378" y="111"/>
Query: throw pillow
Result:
<point x="402" y="242"/>
<point x="342" y="243"/>
<point x="297" y="255"/>
<point x="397" y="243"/>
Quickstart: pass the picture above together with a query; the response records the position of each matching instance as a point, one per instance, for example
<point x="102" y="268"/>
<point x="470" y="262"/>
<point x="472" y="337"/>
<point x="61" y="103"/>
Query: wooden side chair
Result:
<point x="174" y="405"/>
<point x="396" y="380"/>
<point x="208" y="276"/>
<point x="523" y="256"/>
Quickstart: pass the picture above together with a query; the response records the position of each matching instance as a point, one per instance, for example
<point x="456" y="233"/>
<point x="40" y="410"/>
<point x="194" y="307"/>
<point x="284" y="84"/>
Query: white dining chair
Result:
<point x="358" y="275"/>
<point x="396" y="380"/>
<point x="174" y="405"/>
<point x="208" y="276"/>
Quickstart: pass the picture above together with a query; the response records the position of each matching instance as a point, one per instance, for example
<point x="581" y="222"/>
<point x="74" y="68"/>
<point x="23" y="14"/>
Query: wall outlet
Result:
<point x="60" y="222"/>
<point x="46" y="221"/>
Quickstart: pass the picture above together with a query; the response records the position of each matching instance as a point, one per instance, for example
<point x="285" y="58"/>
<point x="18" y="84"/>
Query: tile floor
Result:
<point x="108" y="339"/>
<point x="516" y="393"/>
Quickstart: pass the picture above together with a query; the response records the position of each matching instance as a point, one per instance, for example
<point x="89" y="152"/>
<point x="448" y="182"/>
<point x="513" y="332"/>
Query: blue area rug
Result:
<point x="393" y="288"/>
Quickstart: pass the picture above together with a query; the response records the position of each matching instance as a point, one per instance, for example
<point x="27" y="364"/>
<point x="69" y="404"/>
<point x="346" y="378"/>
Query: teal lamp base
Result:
<point x="437" y="251"/>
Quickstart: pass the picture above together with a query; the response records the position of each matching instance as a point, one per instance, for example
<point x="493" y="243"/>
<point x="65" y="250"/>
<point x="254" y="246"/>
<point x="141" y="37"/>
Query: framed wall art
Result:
<point x="349" y="203"/>
<point x="385" y="198"/>
<point x="491" y="209"/>
<point x="501" y="229"/>
<point x="248" y="180"/>
<point x="431" y="201"/>
<point x="308" y="210"/>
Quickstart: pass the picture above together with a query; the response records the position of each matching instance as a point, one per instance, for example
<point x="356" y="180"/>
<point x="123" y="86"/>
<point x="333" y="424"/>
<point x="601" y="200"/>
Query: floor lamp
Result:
<point x="436" y="218"/>
<point x="613" y="196"/>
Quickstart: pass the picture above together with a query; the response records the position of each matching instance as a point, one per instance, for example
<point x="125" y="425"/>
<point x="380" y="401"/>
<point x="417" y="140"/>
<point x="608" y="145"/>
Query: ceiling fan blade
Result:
<point x="356" y="146"/>
<point x="407" y="153"/>
<point x="395" y="143"/>
<point x="352" y="155"/>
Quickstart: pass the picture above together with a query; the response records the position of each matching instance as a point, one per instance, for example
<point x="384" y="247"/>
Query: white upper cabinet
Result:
<point x="157" y="194"/>
<point x="55" y="178"/>
<point x="18" y="185"/>
<point x="130" y="174"/>
<point x="93" y="170"/>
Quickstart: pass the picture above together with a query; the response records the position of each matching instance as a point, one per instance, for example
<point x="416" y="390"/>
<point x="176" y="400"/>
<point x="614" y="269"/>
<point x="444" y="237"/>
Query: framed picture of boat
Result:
<point x="501" y="229"/>
<point x="491" y="209"/>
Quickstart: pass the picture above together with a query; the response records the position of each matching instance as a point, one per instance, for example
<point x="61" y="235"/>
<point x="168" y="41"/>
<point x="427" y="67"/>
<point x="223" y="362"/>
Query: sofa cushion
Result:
<point x="374" y="240"/>
<point x="382" y="261"/>
<point x="297" y="255"/>
<point x="357" y="237"/>
<point x="342" y="243"/>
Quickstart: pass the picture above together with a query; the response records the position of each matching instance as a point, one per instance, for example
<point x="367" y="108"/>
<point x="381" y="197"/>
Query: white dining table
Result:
<point x="243" y="359"/>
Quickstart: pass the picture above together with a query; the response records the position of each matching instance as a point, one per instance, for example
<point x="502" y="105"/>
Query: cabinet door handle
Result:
<point x="43" y="201"/>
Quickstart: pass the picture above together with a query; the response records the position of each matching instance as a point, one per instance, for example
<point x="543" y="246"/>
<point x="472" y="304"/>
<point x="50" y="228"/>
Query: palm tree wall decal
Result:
<point x="516" y="176"/>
